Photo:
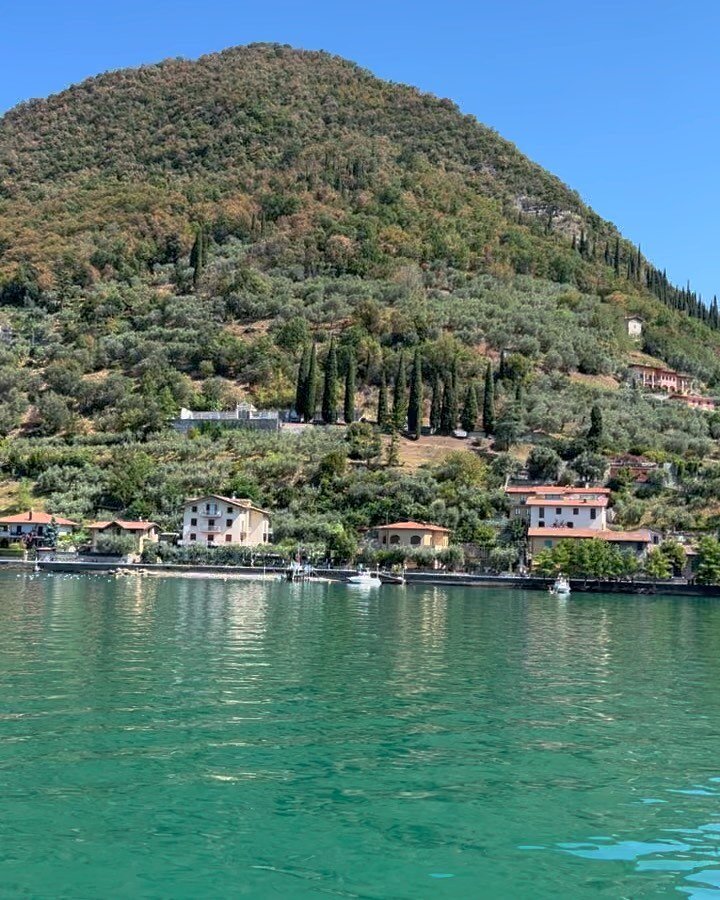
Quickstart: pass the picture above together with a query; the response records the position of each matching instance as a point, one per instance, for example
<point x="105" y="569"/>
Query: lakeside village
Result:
<point x="549" y="528"/>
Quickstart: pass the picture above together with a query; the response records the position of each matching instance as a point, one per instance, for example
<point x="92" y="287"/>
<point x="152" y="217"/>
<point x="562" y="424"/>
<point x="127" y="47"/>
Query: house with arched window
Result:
<point x="410" y="534"/>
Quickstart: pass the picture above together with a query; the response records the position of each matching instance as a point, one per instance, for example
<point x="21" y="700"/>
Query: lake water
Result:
<point x="177" y="738"/>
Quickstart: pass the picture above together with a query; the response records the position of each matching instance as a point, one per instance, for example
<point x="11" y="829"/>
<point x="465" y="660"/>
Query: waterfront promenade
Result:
<point x="675" y="587"/>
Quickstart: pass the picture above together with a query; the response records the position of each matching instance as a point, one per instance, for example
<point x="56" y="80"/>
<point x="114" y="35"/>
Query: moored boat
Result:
<point x="561" y="587"/>
<point x="365" y="579"/>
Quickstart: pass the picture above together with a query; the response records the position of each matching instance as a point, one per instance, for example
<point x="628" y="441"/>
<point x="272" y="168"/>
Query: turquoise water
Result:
<point x="175" y="738"/>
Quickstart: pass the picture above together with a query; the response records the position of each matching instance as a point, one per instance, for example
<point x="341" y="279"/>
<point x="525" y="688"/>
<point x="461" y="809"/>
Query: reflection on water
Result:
<point x="180" y="737"/>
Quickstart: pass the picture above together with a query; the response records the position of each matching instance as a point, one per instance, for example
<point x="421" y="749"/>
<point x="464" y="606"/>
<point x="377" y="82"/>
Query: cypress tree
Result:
<point x="311" y="390"/>
<point x="349" y="400"/>
<point x="489" y="402"/>
<point x="393" y="456"/>
<point x="197" y="254"/>
<point x="436" y="404"/>
<point x="415" y="409"/>
<point x="400" y="408"/>
<point x="469" y="415"/>
<point x="382" y="411"/>
<point x="302" y="383"/>
<point x="594" y="436"/>
<point x="330" y="389"/>
<point x="617" y="256"/>
<point x="448" y="414"/>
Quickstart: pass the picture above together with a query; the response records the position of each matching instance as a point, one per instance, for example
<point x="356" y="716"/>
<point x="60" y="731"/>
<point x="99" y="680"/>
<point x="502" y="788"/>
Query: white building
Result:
<point x="215" y="520"/>
<point x="634" y="325"/>
<point x="245" y="415"/>
<point x="32" y="526"/>
<point x="569" y="511"/>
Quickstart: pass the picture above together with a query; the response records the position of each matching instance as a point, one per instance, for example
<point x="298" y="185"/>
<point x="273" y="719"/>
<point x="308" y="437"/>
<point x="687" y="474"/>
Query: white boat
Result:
<point x="561" y="587"/>
<point x="365" y="579"/>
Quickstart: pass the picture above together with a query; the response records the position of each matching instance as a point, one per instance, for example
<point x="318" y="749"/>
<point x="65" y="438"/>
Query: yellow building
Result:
<point x="412" y="535"/>
<point x="141" y="532"/>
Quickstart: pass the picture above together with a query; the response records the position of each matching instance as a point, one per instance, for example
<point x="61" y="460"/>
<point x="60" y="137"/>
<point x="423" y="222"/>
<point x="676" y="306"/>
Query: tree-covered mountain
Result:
<point x="178" y="234"/>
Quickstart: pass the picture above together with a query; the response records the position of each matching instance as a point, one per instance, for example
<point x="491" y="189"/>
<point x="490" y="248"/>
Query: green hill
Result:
<point x="175" y="234"/>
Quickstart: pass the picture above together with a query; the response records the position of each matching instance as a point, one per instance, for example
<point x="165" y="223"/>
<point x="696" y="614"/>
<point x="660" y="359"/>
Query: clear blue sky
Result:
<point x="618" y="99"/>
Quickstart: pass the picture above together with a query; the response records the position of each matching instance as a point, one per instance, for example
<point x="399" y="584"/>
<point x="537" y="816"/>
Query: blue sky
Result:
<point x="620" y="100"/>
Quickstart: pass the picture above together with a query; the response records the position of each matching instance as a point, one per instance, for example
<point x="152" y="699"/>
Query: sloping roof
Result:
<point x="568" y="501"/>
<point x="411" y="526"/>
<point x="553" y="489"/>
<point x="242" y="502"/>
<point x="124" y="525"/>
<point x="31" y="517"/>
<point x="643" y="536"/>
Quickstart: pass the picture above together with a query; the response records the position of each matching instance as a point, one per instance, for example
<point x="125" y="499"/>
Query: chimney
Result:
<point x="30" y="515"/>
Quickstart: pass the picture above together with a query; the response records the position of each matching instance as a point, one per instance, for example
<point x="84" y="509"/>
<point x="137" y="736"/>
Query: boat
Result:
<point x="391" y="578"/>
<point x="561" y="587"/>
<point x="365" y="579"/>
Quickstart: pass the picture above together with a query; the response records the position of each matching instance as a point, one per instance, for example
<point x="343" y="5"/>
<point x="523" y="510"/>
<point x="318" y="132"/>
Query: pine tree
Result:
<point x="349" y="399"/>
<point x="312" y="385"/>
<point x="400" y="405"/>
<point x="382" y="412"/>
<point x="330" y="388"/>
<point x="594" y="436"/>
<point x="489" y="402"/>
<point x="469" y="415"/>
<point x="415" y="408"/>
<point x="508" y="428"/>
<point x="436" y="404"/>
<point x="302" y="383"/>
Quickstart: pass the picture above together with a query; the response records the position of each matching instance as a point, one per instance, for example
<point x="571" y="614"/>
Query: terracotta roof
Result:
<point x="568" y="501"/>
<point x="34" y="518"/>
<point x="553" y="489"/>
<point x="242" y="502"/>
<point x="124" y="524"/>
<point x="412" y="526"/>
<point x="606" y="535"/>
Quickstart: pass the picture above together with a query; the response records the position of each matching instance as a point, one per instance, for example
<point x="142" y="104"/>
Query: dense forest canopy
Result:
<point x="183" y="233"/>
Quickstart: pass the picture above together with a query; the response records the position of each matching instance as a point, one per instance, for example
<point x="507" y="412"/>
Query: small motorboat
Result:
<point x="560" y="587"/>
<point x="365" y="579"/>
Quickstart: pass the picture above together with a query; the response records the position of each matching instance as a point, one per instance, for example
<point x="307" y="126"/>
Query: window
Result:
<point x="541" y="512"/>
<point x="228" y="538"/>
<point x="394" y="538"/>
<point x="384" y="539"/>
<point x="576" y="511"/>
<point x="229" y="509"/>
<point x="558" y="511"/>
<point x="193" y="522"/>
<point x="593" y="514"/>
<point x="548" y="544"/>
<point x="228" y="523"/>
<point x="415" y="540"/>
<point x="193" y="537"/>
<point x="569" y="524"/>
<point x="193" y="509"/>
<point x="541" y="524"/>
<point x="211" y="539"/>
<point x="211" y="523"/>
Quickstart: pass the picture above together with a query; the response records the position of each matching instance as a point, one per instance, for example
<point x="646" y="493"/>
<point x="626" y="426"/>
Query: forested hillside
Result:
<point x="180" y="234"/>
